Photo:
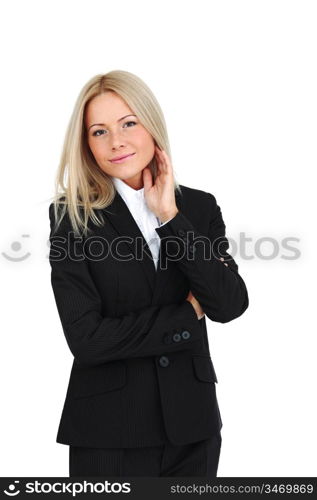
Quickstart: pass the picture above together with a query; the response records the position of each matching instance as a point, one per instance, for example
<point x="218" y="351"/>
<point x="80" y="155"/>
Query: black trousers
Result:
<point x="190" y="460"/>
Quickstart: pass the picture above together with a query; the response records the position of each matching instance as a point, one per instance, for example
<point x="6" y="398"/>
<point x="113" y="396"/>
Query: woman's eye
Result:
<point x="96" y="132"/>
<point x="130" y="122"/>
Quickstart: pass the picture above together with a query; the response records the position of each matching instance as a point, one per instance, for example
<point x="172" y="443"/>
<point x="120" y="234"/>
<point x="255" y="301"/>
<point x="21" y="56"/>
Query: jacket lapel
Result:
<point x="124" y="224"/>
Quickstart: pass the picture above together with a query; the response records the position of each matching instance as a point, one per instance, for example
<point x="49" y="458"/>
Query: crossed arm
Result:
<point x="94" y="338"/>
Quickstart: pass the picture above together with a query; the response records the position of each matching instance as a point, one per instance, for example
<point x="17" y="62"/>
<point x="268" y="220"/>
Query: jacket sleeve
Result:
<point x="94" y="338"/>
<point x="216" y="284"/>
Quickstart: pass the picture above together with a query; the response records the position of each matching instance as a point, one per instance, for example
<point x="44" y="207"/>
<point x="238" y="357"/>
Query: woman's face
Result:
<point x="111" y="133"/>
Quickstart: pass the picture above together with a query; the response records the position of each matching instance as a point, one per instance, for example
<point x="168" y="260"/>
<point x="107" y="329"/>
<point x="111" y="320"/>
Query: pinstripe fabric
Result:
<point x="195" y="459"/>
<point x="142" y="374"/>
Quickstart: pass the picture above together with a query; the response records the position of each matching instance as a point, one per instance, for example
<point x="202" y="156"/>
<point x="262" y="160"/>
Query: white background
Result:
<point x="237" y="83"/>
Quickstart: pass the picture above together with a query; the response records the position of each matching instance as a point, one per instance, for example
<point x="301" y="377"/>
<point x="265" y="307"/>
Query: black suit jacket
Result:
<point x="142" y="367"/>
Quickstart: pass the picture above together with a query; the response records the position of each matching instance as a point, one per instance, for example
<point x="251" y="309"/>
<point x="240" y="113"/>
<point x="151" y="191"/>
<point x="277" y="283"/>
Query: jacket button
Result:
<point x="185" y="335"/>
<point x="181" y="232"/>
<point x="176" y="337"/>
<point x="164" y="361"/>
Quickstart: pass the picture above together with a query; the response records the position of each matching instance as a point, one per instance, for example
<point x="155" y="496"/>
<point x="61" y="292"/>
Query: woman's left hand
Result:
<point x="160" y="197"/>
<point x="199" y="311"/>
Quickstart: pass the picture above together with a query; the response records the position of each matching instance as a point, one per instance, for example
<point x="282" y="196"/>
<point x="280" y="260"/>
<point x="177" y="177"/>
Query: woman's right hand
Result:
<point x="200" y="313"/>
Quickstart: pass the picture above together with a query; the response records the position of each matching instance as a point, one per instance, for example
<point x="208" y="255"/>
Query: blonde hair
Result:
<point x="87" y="186"/>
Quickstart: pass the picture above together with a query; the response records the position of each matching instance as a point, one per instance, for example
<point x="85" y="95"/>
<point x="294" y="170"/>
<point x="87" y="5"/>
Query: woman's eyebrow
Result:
<point x="100" y="124"/>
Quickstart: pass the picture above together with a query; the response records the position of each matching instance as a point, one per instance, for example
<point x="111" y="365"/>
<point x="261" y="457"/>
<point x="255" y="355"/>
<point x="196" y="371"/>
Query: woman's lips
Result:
<point x="122" y="159"/>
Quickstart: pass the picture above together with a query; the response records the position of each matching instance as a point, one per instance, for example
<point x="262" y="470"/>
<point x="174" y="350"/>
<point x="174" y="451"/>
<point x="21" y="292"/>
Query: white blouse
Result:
<point x="143" y="216"/>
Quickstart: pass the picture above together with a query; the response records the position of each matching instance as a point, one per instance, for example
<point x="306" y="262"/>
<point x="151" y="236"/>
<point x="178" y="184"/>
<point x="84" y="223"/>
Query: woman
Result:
<point x="137" y="263"/>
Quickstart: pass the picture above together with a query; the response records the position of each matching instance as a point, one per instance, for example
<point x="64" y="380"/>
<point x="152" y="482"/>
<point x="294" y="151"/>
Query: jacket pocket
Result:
<point x="94" y="380"/>
<point x="204" y="368"/>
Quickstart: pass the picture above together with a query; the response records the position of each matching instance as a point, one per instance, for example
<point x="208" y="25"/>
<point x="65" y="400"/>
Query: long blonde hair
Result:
<point x="81" y="185"/>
